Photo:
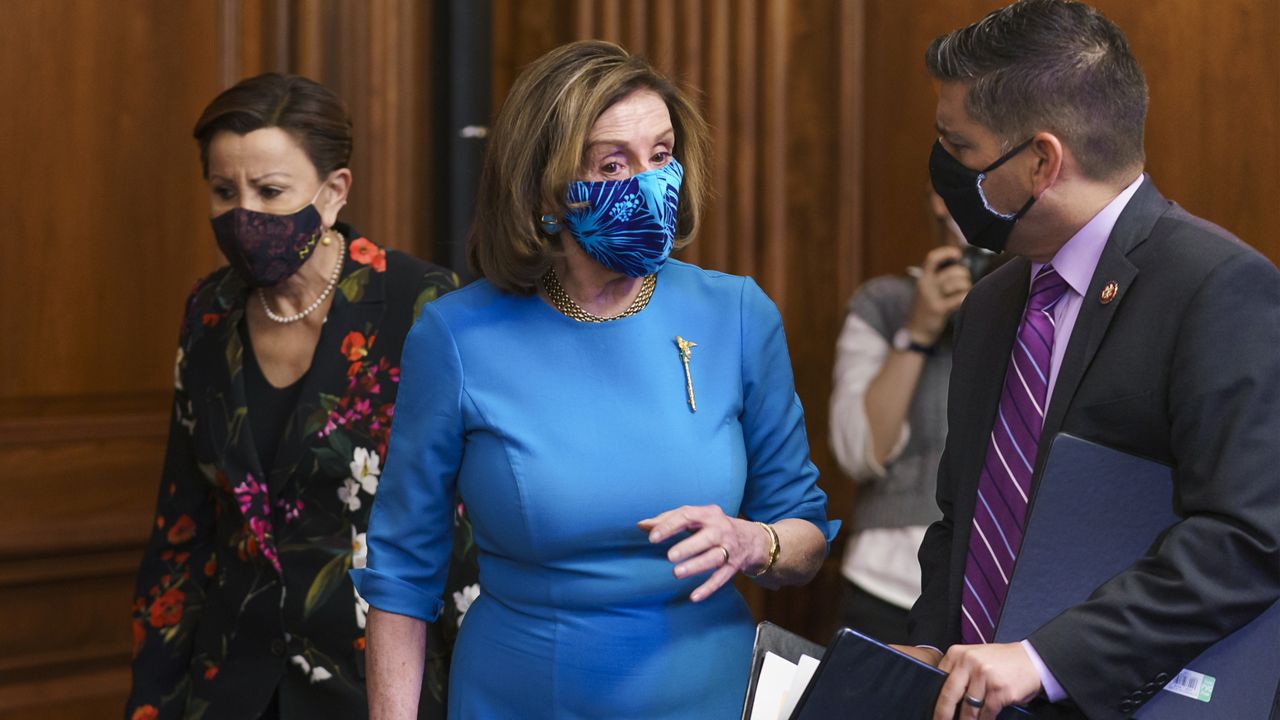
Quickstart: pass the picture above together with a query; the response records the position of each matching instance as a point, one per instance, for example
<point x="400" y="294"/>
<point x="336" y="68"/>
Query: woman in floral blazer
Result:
<point x="244" y="608"/>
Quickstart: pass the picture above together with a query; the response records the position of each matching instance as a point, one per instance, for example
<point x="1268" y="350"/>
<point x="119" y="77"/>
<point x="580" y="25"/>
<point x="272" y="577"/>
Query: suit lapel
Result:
<point x="1131" y="229"/>
<point x="222" y="401"/>
<point x="221" y="406"/>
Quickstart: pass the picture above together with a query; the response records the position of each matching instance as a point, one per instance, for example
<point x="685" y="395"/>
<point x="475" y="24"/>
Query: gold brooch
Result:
<point x="686" y="351"/>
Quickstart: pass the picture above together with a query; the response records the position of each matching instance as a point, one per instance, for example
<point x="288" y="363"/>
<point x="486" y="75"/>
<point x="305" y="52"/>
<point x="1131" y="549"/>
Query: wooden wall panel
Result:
<point x="1213" y="127"/>
<point x="99" y="202"/>
<point x="106" y="230"/>
<point x="782" y="106"/>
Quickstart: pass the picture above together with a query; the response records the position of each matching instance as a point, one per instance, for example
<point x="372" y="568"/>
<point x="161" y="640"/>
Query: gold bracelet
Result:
<point x="775" y="549"/>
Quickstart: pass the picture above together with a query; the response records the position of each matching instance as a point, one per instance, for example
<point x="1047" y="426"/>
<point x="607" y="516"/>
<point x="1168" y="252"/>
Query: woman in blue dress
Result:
<point x="623" y="427"/>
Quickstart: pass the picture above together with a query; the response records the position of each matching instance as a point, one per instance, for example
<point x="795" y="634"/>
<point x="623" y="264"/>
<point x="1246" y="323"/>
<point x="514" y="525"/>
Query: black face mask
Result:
<point x="961" y="189"/>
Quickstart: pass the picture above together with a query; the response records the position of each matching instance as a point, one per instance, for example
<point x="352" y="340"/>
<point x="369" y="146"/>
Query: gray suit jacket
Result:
<point x="1183" y="366"/>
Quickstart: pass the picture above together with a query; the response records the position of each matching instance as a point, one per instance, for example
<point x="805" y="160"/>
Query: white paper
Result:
<point x="780" y="686"/>
<point x="799" y="681"/>
<point x="771" y="688"/>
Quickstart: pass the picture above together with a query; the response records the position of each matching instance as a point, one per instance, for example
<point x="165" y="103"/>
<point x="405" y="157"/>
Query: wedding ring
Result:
<point x="974" y="702"/>
<point x="725" y="550"/>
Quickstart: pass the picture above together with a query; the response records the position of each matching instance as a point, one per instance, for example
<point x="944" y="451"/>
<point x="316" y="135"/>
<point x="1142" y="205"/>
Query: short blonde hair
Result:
<point x="537" y="146"/>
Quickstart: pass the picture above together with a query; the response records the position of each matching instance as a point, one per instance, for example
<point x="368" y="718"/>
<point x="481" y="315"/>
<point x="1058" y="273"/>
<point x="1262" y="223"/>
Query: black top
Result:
<point x="269" y="406"/>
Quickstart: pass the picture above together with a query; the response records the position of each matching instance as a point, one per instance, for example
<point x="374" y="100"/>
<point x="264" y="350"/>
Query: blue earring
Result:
<point x="550" y="224"/>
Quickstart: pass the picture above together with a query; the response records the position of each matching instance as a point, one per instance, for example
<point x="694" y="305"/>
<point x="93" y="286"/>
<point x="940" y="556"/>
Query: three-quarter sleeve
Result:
<point x="860" y="355"/>
<point x="411" y="527"/>
<point x="782" y="482"/>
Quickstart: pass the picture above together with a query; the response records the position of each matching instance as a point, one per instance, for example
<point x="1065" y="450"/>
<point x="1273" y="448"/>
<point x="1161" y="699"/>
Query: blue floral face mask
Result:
<point x="627" y="225"/>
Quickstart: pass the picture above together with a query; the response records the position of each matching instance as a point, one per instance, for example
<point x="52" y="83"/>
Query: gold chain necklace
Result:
<point x="561" y="301"/>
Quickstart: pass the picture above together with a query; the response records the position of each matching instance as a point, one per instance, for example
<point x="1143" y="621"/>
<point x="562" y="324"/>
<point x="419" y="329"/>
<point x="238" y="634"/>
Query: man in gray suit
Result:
<point x="1123" y="320"/>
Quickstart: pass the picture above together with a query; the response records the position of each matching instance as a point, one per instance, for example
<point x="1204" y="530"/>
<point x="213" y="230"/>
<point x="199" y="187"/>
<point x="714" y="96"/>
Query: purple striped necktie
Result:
<point x="1005" y="482"/>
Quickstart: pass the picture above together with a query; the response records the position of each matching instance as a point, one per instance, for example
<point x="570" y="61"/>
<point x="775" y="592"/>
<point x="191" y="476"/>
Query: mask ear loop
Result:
<point x="983" y="176"/>
<point x="325" y="232"/>
<point x="1008" y="156"/>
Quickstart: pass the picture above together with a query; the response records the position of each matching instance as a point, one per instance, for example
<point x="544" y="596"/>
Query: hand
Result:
<point x="926" y="655"/>
<point x="939" y="293"/>
<point x="745" y="544"/>
<point x="999" y="675"/>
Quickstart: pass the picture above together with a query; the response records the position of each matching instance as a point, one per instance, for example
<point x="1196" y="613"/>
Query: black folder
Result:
<point x="864" y="679"/>
<point x="1096" y="511"/>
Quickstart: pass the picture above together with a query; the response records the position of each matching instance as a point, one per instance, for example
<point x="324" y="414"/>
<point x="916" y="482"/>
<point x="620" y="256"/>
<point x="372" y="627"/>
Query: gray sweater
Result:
<point x="904" y="494"/>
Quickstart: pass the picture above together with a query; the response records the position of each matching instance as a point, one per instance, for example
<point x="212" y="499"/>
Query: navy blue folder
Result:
<point x="1096" y="511"/>
<point x="863" y="679"/>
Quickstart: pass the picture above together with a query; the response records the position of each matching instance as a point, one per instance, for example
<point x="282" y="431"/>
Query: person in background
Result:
<point x="284" y="390"/>
<point x="888" y="422"/>
<point x="625" y="426"/>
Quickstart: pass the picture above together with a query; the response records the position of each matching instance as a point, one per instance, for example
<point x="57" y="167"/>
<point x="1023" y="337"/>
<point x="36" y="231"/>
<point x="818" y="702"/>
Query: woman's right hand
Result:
<point x="940" y="290"/>
<point x="717" y="543"/>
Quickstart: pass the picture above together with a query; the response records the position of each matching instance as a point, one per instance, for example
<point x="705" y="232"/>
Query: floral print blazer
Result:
<point x="243" y="590"/>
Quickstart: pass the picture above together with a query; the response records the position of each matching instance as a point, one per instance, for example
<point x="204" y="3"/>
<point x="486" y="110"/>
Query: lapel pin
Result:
<point x="686" y="352"/>
<point x="1109" y="292"/>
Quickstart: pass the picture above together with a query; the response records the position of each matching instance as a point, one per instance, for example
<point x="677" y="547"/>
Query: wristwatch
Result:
<point x="902" y="342"/>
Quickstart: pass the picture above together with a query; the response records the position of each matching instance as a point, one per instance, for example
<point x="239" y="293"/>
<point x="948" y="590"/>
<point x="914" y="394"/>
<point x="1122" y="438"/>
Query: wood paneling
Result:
<point x="783" y="111"/>
<point x="107" y="229"/>
<point x="103" y="210"/>
<point x="1213" y="127"/>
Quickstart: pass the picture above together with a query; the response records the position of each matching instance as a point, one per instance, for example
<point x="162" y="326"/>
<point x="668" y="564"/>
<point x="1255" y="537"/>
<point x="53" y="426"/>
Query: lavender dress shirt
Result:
<point x="1075" y="262"/>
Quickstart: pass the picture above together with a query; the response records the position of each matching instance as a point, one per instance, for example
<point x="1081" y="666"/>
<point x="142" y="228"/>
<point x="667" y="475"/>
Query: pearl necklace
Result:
<point x="333" y="282"/>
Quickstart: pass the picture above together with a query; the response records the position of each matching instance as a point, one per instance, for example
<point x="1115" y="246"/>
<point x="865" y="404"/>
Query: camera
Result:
<point x="978" y="261"/>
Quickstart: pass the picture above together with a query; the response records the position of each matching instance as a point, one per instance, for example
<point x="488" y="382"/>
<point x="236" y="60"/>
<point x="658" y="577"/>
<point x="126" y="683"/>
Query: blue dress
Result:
<point x="560" y="436"/>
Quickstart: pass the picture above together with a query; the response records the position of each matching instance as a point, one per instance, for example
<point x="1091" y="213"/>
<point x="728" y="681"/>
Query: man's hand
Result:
<point x="926" y="655"/>
<point x="993" y="676"/>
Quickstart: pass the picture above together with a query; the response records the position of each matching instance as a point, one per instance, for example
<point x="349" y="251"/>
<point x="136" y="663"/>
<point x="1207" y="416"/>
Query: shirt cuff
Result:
<point x="875" y="470"/>
<point x="1052" y="689"/>
<point x="393" y="595"/>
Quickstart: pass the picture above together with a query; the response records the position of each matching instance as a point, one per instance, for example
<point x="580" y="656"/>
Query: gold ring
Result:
<point x="725" y="550"/>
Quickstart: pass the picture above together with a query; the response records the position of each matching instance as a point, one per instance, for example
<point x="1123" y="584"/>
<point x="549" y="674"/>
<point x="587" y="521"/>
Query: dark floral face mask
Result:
<point x="264" y="249"/>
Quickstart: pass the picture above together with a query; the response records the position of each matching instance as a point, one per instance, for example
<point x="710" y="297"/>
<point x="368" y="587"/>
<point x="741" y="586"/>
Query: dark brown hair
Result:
<point x="537" y="146"/>
<point x="307" y="110"/>
<point x="1056" y="66"/>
